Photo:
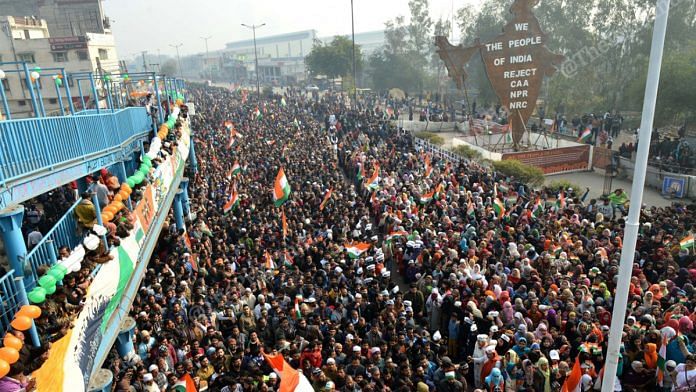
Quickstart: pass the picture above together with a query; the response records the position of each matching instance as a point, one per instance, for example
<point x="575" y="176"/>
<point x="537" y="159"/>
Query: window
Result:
<point x="60" y="57"/>
<point x="22" y="102"/>
<point x="52" y="101"/>
<point x="103" y="54"/>
<point x="26" y="34"/>
<point x="6" y="84"/>
<point x="27" y="57"/>
<point x="82" y="55"/>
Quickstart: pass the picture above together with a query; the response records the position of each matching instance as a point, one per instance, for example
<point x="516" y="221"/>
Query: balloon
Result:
<point x="20" y="323"/>
<point x="123" y="195"/>
<point x="47" y="281"/>
<point x="50" y="289"/>
<point x="107" y="216"/>
<point x="120" y="205"/>
<point x="4" y="368"/>
<point x="130" y="181"/>
<point x="12" y="341"/>
<point x="145" y="171"/>
<point x="37" y="69"/>
<point x="56" y="274"/>
<point x="59" y="82"/>
<point x="110" y="209"/>
<point x="147" y="159"/>
<point x="37" y="296"/>
<point x="34" y="75"/>
<point x="126" y="187"/>
<point x="61" y="268"/>
<point x="118" y="197"/>
<point x="10" y="354"/>
<point x="31" y="311"/>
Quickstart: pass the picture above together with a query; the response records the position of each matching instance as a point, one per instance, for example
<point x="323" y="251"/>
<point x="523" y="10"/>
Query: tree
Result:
<point x="419" y="30"/>
<point x="390" y="70"/>
<point x="334" y="59"/>
<point x="169" y="68"/>
<point x="395" y="36"/>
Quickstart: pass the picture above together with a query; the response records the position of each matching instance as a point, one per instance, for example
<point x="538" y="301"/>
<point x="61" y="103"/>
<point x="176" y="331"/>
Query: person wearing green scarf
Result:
<point x="542" y="378"/>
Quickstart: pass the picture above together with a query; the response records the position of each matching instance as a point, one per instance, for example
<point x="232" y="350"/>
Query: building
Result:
<point x="29" y="40"/>
<point x="65" y="18"/>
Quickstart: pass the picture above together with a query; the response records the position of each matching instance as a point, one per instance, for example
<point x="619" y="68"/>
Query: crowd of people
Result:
<point x="462" y="279"/>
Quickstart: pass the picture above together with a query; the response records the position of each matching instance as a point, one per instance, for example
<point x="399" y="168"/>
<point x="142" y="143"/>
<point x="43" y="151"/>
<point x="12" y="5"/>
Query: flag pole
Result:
<point x="632" y="224"/>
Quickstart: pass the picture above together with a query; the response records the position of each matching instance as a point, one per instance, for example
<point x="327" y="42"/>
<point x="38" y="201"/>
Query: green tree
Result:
<point x="419" y="30"/>
<point x="395" y="70"/>
<point x="333" y="59"/>
<point x="395" y="36"/>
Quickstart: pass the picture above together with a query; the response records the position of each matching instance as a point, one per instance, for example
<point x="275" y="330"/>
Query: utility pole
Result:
<point x="178" y="58"/>
<point x="355" y="79"/>
<point x="207" y="57"/>
<point x="256" y="57"/>
<point x="633" y="222"/>
<point x="144" y="52"/>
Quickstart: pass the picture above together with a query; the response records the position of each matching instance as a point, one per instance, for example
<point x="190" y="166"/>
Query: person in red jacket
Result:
<point x="311" y="354"/>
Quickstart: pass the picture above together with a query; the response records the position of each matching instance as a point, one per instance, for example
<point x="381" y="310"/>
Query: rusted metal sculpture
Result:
<point x="516" y="63"/>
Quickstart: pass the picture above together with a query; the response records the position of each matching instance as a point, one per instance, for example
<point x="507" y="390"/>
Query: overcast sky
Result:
<point x="147" y="24"/>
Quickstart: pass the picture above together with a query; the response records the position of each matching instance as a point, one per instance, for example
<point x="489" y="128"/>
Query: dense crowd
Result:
<point x="469" y="280"/>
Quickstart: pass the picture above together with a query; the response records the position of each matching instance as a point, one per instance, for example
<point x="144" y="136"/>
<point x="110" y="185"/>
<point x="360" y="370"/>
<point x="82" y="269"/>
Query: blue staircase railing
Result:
<point x="60" y="140"/>
<point x="9" y="300"/>
<point x="63" y="233"/>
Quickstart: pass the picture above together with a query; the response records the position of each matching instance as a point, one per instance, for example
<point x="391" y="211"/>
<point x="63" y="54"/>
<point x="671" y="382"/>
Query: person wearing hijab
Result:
<point x="542" y="376"/>
<point x="495" y="381"/>
<point x="509" y="370"/>
<point x="479" y="357"/>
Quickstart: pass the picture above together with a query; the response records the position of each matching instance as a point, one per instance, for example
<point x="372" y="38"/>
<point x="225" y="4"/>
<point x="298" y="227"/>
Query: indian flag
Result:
<point x="585" y="136"/>
<point x="327" y="197"/>
<point x="236" y="169"/>
<point x="287" y="259"/>
<point x="561" y="202"/>
<point x="396" y="234"/>
<point x="291" y="380"/>
<point x="185" y="384"/>
<point x="232" y="141"/>
<point x="296" y="123"/>
<point x="257" y="114"/>
<point x="268" y="261"/>
<point x="281" y="189"/>
<point x="284" y="223"/>
<point x="361" y="173"/>
<point x="498" y="207"/>
<point x="428" y="197"/>
<point x="470" y="208"/>
<point x="662" y="358"/>
<point x="232" y="202"/>
<point x="356" y="250"/>
<point x="373" y="182"/>
<point x="687" y="242"/>
<point x="283" y="103"/>
<point x="557" y="250"/>
<point x="229" y="125"/>
<point x="297" y="313"/>
<point x="270" y="142"/>
<point x="428" y="166"/>
<point x="538" y="209"/>
<point x="572" y="383"/>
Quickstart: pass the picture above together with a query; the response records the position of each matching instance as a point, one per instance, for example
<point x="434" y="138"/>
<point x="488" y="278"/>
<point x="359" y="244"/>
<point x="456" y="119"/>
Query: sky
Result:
<point x="156" y="24"/>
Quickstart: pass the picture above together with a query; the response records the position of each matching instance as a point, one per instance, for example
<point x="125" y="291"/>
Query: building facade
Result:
<point x="65" y="18"/>
<point x="26" y="39"/>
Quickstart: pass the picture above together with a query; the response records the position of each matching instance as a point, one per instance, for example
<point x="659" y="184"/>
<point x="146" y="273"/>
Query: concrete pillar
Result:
<point x="101" y="381"/>
<point x="179" y="210"/>
<point x="186" y="203"/>
<point x="124" y="340"/>
<point x="16" y="250"/>
<point x="192" y="157"/>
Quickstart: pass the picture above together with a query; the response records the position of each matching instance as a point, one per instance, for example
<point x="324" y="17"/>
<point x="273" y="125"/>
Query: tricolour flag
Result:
<point x="281" y="189"/>
<point x="687" y="242"/>
<point x="236" y="168"/>
<point x="428" y="197"/>
<point x="268" y="261"/>
<point x="284" y="223"/>
<point x="396" y="234"/>
<point x="538" y="209"/>
<point x="291" y="380"/>
<point x="661" y="359"/>
<point x="572" y="383"/>
<point x="561" y="202"/>
<point x="185" y="384"/>
<point x="296" y="123"/>
<point x="585" y="136"/>
<point x="283" y="103"/>
<point x="232" y="202"/>
<point x="499" y="207"/>
<point x="287" y="259"/>
<point x="428" y="166"/>
<point x="470" y="211"/>
<point x="257" y="114"/>
<point x="361" y="172"/>
<point x="373" y="182"/>
<point x="355" y="250"/>
<point x="229" y="125"/>
<point x="327" y="197"/>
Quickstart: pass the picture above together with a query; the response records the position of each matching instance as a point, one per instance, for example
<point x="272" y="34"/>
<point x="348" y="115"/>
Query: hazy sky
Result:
<point x="151" y="24"/>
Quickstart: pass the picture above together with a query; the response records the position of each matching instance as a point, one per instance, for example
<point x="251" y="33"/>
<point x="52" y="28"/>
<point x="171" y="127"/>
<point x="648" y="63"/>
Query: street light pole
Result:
<point x="178" y="58"/>
<point x="256" y="57"/>
<point x="210" y="73"/>
<point x="355" y="80"/>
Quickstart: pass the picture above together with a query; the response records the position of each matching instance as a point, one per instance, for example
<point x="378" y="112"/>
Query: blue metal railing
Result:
<point x="9" y="300"/>
<point x="63" y="233"/>
<point x="31" y="145"/>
